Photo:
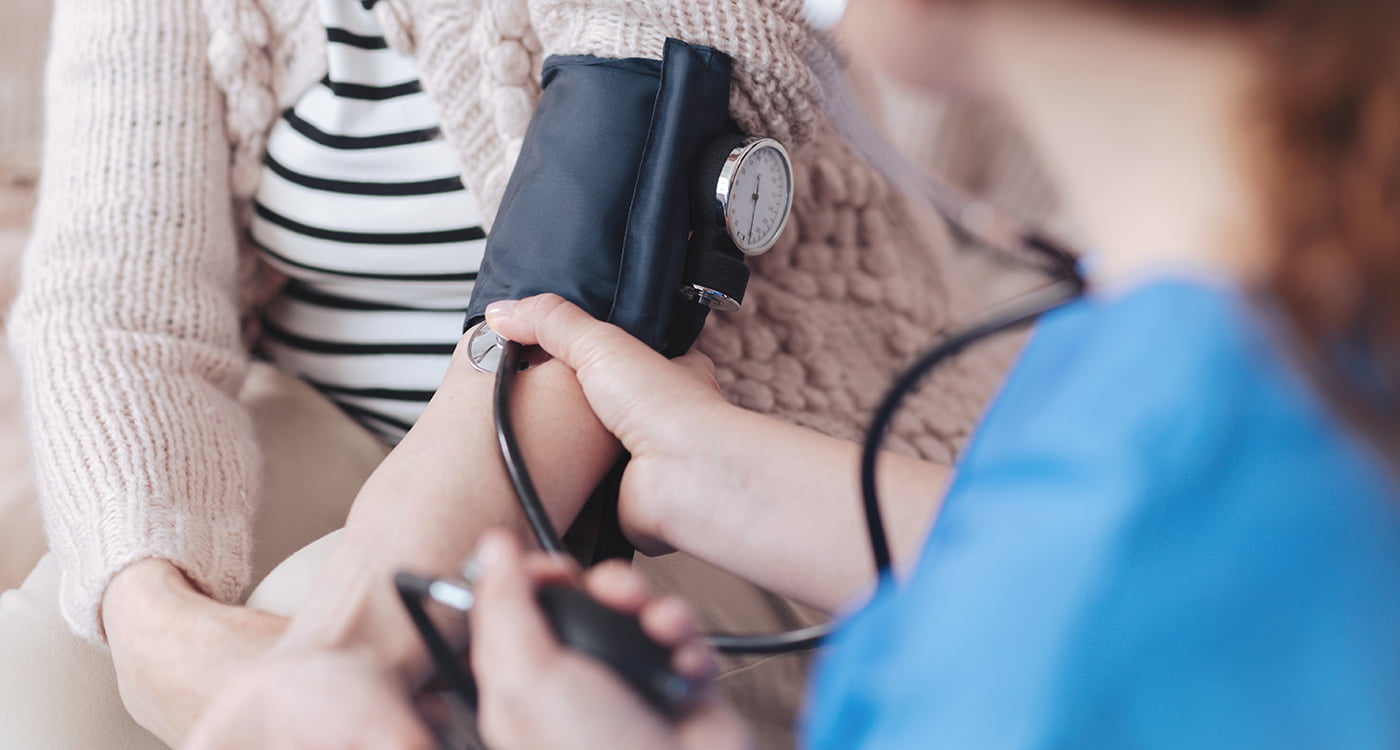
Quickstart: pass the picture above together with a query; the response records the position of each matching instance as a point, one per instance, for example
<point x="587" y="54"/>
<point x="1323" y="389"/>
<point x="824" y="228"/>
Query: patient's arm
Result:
<point x="423" y="508"/>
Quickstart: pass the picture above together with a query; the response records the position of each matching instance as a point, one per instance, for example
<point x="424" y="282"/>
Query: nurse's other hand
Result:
<point x="539" y="695"/>
<point x="663" y="411"/>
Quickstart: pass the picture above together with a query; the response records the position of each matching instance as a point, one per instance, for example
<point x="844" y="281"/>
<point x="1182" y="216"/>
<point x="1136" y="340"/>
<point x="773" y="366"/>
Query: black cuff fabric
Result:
<point x="598" y="207"/>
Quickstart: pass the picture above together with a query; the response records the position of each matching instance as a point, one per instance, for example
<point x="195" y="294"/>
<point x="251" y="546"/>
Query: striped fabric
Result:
<point x="361" y="205"/>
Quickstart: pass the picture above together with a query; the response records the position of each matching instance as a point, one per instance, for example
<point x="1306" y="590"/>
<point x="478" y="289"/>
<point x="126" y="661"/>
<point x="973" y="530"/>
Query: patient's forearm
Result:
<point x="779" y="505"/>
<point x="424" y="506"/>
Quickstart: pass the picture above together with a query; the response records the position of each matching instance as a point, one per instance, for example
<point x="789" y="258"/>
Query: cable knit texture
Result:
<point x="127" y="328"/>
<point x="137" y="279"/>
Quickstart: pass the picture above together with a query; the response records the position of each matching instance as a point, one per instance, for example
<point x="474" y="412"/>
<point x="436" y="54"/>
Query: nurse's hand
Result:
<point x="535" y="694"/>
<point x="662" y="411"/>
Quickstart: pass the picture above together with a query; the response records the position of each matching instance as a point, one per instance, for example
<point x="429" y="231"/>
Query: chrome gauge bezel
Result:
<point x="725" y="185"/>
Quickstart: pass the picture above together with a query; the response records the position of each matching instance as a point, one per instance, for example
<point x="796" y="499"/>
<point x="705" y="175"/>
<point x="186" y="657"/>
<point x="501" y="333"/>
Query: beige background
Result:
<point x="23" y="32"/>
<point x="22" y="35"/>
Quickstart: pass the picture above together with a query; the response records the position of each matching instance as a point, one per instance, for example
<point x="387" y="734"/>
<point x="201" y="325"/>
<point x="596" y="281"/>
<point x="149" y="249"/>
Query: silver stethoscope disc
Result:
<point x="484" y="349"/>
<point x="710" y="298"/>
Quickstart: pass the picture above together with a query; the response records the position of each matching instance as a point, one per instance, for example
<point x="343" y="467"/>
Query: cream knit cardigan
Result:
<point x="130" y="325"/>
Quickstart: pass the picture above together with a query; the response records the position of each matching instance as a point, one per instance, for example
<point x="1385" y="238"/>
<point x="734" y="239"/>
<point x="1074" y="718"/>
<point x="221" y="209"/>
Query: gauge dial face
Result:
<point x="760" y="197"/>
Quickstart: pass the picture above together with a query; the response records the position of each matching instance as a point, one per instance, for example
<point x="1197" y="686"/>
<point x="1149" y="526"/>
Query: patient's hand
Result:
<point x="174" y="648"/>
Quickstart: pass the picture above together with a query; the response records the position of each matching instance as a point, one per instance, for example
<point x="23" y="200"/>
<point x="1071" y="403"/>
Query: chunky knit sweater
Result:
<point x="131" y="322"/>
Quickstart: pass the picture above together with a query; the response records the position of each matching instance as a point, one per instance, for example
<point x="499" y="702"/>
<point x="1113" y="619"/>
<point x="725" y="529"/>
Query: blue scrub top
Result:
<point x="1159" y="538"/>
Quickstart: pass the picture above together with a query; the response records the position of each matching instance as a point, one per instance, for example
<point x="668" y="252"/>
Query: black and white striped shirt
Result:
<point x="362" y="206"/>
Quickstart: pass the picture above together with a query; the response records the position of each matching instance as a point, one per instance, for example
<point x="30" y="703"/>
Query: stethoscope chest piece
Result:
<point x="711" y="298"/>
<point x="484" y="349"/>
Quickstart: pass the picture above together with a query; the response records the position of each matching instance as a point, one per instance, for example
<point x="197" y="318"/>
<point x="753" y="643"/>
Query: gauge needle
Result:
<point x="758" y="182"/>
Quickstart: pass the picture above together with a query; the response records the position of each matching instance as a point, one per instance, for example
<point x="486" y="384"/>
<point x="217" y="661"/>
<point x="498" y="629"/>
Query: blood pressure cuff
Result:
<point x="598" y="207"/>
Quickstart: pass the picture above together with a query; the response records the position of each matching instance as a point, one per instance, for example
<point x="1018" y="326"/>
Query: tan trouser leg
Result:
<point x="21" y="535"/>
<point x="56" y="691"/>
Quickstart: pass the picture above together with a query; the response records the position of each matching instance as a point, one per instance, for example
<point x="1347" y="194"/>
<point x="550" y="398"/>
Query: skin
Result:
<point x="1152" y="172"/>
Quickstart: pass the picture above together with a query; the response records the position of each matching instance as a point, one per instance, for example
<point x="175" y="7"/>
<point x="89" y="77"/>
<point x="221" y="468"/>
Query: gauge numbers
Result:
<point x="759" y="196"/>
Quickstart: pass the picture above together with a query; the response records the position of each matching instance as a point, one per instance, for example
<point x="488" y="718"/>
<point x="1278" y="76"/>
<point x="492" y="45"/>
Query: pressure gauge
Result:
<point x="754" y="194"/>
<point x="742" y="198"/>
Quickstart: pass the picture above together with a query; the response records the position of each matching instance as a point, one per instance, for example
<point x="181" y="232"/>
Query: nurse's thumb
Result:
<point x="562" y="329"/>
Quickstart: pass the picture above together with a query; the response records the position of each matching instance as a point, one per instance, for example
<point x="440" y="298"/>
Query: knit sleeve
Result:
<point x="127" y="326"/>
<point x="774" y="92"/>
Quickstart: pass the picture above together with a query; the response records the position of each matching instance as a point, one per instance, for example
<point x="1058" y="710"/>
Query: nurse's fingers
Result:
<point x="510" y="636"/>
<point x="566" y="332"/>
<point x="668" y="620"/>
<point x="628" y="385"/>
<point x="639" y="395"/>
<point x="617" y="585"/>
